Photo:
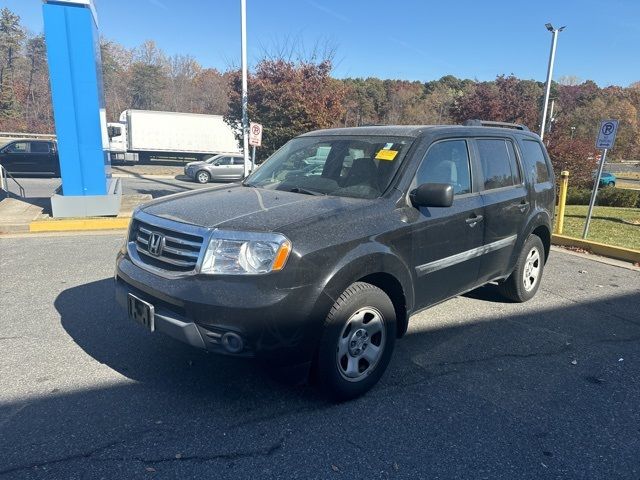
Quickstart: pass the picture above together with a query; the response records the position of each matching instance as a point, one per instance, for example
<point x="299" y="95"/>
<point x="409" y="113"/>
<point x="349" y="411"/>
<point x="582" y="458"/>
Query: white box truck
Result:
<point x="149" y="134"/>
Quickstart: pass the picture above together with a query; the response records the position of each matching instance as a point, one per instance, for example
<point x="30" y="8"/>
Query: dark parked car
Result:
<point x="319" y="270"/>
<point x="30" y="157"/>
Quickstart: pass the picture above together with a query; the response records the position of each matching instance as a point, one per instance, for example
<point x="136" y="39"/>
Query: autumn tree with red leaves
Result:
<point x="289" y="98"/>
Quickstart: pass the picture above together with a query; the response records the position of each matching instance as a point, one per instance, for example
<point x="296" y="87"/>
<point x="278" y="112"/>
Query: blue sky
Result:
<point x="409" y="39"/>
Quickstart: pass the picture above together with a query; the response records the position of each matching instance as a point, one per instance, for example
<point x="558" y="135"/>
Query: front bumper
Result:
<point x="282" y="325"/>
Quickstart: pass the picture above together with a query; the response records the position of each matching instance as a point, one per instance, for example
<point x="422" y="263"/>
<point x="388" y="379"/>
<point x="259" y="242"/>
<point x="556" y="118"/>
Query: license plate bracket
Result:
<point x="141" y="312"/>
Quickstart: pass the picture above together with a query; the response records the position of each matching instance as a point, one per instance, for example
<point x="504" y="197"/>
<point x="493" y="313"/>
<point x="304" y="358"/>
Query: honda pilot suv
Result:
<point x="319" y="270"/>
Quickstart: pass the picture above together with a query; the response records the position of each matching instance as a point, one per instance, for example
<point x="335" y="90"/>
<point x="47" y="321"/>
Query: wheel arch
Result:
<point x="544" y="233"/>
<point x="539" y="224"/>
<point x="382" y="269"/>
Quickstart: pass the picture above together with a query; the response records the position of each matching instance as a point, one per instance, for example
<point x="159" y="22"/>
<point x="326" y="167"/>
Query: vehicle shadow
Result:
<point x="487" y="293"/>
<point x="101" y="328"/>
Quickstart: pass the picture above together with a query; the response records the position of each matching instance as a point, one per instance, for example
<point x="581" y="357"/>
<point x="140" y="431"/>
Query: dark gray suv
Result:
<point x="317" y="266"/>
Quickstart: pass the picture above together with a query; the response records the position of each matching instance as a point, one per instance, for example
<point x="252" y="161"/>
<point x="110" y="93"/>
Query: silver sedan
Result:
<point x="226" y="167"/>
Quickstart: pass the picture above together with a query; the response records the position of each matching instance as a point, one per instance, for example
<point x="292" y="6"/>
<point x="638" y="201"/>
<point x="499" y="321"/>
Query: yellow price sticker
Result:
<point x="386" y="154"/>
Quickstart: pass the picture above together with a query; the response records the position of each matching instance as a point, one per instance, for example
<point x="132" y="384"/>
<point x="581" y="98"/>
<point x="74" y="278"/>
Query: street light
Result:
<point x="245" y="97"/>
<point x="552" y="56"/>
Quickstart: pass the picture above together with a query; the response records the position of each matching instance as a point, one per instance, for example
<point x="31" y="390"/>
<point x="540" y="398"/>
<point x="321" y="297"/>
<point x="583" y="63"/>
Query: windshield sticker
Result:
<point x="386" y="154"/>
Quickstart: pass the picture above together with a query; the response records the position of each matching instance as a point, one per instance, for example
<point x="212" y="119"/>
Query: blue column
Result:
<point x="75" y="68"/>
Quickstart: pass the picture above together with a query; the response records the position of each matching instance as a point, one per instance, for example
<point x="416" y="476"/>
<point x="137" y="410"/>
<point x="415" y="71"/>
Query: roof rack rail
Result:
<point x="487" y="123"/>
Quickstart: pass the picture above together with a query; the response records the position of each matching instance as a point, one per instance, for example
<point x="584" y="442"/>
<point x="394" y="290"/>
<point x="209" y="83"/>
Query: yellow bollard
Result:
<point x="564" y="185"/>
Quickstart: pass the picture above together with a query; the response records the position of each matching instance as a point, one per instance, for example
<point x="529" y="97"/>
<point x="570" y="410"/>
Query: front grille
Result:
<point x="176" y="252"/>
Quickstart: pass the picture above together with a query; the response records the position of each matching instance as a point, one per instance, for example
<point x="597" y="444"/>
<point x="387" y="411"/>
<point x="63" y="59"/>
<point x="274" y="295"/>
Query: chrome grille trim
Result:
<point x="177" y="251"/>
<point x="180" y="256"/>
<point x="181" y="241"/>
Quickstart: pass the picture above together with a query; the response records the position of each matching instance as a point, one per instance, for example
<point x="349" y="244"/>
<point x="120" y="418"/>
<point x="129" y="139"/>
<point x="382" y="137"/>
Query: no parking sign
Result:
<point x="607" y="134"/>
<point x="255" y="134"/>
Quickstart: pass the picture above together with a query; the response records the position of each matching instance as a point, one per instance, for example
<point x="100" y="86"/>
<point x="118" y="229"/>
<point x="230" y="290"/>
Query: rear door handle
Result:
<point x="472" y="221"/>
<point x="523" y="206"/>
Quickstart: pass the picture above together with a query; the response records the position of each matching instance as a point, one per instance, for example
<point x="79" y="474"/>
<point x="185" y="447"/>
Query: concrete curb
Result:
<point x="132" y="175"/>
<point x="597" y="248"/>
<point x="595" y="258"/>
<point x="79" y="224"/>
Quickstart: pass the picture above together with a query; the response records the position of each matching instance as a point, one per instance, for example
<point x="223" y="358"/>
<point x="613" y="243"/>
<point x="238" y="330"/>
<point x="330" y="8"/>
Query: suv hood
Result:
<point x="236" y="207"/>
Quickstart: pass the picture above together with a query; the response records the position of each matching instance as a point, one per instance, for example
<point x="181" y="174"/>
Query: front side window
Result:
<point x="223" y="161"/>
<point x="18" y="147"/>
<point x="39" y="147"/>
<point x="356" y="166"/>
<point x="535" y="160"/>
<point x="499" y="164"/>
<point x="447" y="162"/>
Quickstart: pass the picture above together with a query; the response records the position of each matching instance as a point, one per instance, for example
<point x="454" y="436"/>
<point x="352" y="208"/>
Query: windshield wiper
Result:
<point x="306" y="191"/>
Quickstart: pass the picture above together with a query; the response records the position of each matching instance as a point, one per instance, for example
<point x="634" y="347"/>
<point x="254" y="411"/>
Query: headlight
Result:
<point x="245" y="253"/>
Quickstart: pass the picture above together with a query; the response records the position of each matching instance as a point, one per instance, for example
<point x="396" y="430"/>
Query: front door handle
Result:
<point x="472" y="221"/>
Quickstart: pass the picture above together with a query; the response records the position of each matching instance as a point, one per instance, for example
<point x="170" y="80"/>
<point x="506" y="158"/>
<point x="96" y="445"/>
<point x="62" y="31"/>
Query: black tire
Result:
<point x="202" y="176"/>
<point x="612" y="184"/>
<point x="520" y="287"/>
<point x="360" y="310"/>
<point x="144" y="158"/>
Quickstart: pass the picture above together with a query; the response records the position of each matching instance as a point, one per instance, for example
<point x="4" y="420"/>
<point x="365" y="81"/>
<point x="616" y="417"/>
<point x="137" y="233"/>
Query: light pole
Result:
<point x="245" y="98"/>
<point x="552" y="56"/>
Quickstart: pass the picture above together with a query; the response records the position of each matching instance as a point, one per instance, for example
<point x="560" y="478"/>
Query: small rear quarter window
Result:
<point x="535" y="161"/>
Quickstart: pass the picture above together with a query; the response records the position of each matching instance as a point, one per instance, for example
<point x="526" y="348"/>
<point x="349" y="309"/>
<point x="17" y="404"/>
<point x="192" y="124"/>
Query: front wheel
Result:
<point x="525" y="279"/>
<point x="203" y="177"/>
<point x="357" y="342"/>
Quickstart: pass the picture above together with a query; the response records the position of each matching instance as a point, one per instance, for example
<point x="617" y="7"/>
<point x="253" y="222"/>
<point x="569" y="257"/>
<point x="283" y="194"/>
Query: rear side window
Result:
<point x="39" y="147"/>
<point x="499" y="164"/>
<point x="535" y="161"/>
<point x="447" y="162"/>
<point x="238" y="161"/>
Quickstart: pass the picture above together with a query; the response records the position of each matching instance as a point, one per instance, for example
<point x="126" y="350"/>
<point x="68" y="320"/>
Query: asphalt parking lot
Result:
<point x="478" y="388"/>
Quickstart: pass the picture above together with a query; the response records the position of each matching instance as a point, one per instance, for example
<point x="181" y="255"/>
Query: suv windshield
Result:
<point x="346" y="166"/>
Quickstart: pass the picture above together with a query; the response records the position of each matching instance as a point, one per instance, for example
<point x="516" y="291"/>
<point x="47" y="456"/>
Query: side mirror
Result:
<point x="432" y="195"/>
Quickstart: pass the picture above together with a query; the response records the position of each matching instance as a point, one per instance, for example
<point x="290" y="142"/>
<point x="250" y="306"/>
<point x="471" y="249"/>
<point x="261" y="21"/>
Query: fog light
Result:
<point x="232" y="342"/>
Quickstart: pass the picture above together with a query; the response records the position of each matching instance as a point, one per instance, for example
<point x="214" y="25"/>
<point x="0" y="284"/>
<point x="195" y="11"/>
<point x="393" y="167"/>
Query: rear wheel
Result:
<point x="203" y="177"/>
<point x="611" y="184"/>
<point x="525" y="279"/>
<point x="357" y="342"/>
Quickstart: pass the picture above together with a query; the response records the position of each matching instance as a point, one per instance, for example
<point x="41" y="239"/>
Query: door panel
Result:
<point x="505" y="201"/>
<point x="15" y="158"/>
<point x="506" y="210"/>
<point x="238" y="168"/>
<point x="221" y="171"/>
<point x="42" y="158"/>
<point x="447" y="242"/>
<point x="446" y="249"/>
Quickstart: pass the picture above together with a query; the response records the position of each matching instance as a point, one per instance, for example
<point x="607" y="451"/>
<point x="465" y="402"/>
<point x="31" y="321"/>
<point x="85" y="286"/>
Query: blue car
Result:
<point x="607" y="179"/>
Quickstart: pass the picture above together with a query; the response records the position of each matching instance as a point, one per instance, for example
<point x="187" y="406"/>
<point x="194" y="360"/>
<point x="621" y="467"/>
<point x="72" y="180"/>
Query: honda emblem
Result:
<point x="156" y="244"/>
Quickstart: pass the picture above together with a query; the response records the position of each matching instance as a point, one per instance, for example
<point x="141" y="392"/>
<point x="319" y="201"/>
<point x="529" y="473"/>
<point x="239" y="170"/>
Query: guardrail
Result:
<point x="48" y="136"/>
<point x="3" y="181"/>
